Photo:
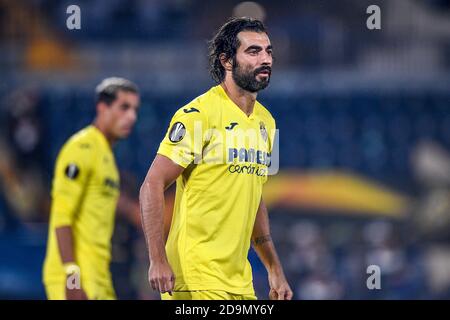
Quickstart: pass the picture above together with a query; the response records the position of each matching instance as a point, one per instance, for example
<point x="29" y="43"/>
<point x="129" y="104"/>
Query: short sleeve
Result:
<point x="72" y="171"/>
<point x="272" y="137"/>
<point x="272" y="134"/>
<point x="185" y="137"/>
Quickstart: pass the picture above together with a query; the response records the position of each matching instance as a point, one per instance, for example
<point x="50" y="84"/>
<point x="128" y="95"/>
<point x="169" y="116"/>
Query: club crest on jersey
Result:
<point x="262" y="129"/>
<point x="177" y="132"/>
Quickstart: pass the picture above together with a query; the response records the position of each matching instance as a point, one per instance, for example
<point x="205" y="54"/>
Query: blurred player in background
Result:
<point x="85" y="191"/>
<point x="218" y="208"/>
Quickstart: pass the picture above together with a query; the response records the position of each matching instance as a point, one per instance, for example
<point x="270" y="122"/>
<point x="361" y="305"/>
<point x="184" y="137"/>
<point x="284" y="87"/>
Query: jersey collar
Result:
<point x="224" y="95"/>
<point x="101" y="136"/>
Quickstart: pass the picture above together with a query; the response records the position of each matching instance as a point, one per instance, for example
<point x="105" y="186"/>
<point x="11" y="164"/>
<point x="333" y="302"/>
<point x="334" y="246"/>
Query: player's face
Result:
<point x="122" y="114"/>
<point x="252" y="67"/>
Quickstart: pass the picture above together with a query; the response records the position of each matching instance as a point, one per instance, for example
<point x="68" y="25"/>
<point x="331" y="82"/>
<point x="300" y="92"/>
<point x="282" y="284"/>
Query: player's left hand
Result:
<point x="279" y="288"/>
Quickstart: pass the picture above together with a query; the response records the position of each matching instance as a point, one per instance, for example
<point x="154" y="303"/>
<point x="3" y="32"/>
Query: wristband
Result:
<point x="71" y="268"/>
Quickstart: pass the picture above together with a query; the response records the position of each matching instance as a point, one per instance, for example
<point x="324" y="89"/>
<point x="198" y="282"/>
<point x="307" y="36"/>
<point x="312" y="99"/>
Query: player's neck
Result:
<point x="242" y="98"/>
<point x="102" y="128"/>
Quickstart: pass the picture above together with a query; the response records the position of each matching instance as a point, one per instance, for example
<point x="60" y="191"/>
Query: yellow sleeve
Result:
<point x="72" y="172"/>
<point x="272" y="134"/>
<point x="271" y="139"/>
<point x="185" y="137"/>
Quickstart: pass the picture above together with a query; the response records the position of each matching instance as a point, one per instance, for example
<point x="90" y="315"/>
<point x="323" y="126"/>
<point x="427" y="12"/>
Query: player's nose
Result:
<point x="266" y="59"/>
<point x="132" y="116"/>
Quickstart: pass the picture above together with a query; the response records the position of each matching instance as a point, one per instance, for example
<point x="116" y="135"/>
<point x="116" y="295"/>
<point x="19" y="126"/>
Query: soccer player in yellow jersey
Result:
<point x="218" y="149"/>
<point x="85" y="191"/>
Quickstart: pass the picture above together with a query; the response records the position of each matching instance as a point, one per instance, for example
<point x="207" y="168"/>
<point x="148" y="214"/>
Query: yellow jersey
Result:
<point x="84" y="194"/>
<point x="226" y="155"/>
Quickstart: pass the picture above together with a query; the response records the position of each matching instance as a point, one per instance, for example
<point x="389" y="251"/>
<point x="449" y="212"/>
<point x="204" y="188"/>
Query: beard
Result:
<point x="246" y="78"/>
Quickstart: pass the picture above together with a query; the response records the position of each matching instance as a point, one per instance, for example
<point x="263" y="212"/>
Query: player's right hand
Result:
<point x="76" y="294"/>
<point x="161" y="277"/>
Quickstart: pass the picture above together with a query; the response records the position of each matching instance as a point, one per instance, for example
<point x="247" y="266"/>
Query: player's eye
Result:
<point x="253" y="51"/>
<point x="125" y="106"/>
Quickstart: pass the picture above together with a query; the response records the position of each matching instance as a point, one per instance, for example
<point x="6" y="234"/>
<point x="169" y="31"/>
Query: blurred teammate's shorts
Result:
<point x="206" y="295"/>
<point x="94" y="291"/>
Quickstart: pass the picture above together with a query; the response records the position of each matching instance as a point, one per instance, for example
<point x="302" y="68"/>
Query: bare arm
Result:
<point x="65" y="244"/>
<point x="264" y="247"/>
<point x="64" y="238"/>
<point x="262" y="241"/>
<point x="162" y="173"/>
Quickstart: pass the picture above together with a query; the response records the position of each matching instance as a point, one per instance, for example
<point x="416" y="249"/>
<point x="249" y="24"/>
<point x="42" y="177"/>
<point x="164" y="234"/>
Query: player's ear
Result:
<point x="227" y="62"/>
<point x="100" y="107"/>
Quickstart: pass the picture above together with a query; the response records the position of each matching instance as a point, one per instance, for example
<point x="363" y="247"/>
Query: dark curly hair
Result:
<point x="226" y="41"/>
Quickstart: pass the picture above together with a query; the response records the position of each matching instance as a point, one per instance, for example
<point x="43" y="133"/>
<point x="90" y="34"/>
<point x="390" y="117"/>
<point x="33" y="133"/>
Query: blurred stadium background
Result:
<point x="364" y="119"/>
